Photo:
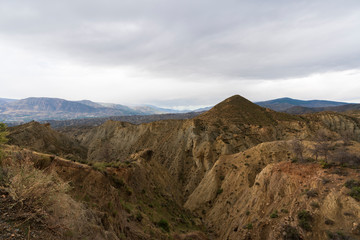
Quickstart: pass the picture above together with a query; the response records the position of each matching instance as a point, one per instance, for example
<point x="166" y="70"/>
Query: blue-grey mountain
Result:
<point x="282" y="104"/>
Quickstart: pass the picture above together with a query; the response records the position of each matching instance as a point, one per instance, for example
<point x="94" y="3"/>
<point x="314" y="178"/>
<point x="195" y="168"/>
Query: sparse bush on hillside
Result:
<point x="219" y="191"/>
<point x="338" y="236"/>
<point x="298" y="148"/>
<point x="31" y="187"/>
<point x="322" y="145"/>
<point x="324" y="164"/>
<point x="274" y="214"/>
<point x="344" y="157"/>
<point x="305" y="220"/>
<point x="3" y="139"/>
<point x="346" y="137"/>
<point x="164" y="225"/>
<point x="352" y="183"/>
<point x="3" y="133"/>
<point x="101" y="166"/>
<point x="355" y="193"/>
<point x="291" y="233"/>
<point x="312" y="193"/>
<point x="139" y="217"/>
<point x="284" y="210"/>
<point x="314" y="205"/>
<point x="248" y="226"/>
<point x="41" y="197"/>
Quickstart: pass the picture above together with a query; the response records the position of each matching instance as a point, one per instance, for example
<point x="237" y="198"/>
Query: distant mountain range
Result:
<point x="283" y="104"/>
<point x="341" y="108"/>
<point x="294" y="106"/>
<point x="40" y="109"/>
<point x="25" y="110"/>
<point x="6" y="100"/>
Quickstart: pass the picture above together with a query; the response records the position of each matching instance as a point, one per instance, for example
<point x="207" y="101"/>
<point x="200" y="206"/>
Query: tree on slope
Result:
<point x="3" y="133"/>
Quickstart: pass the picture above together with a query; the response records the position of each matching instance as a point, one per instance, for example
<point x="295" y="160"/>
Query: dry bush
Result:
<point x="42" y="197"/>
<point x="298" y="148"/>
<point x="322" y="144"/>
<point x="30" y="186"/>
<point x="345" y="157"/>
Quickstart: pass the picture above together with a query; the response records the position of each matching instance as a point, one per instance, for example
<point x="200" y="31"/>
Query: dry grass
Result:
<point x="30" y="186"/>
<point x="41" y="196"/>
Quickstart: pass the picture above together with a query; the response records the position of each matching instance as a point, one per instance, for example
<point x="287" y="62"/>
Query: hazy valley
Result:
<point x="15" y="112"/>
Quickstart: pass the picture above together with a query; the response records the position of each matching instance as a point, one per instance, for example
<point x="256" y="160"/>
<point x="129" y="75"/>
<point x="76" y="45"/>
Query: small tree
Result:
<point x="343" y="156"/>
<point x="3" y="139"/>
<point x="298" y="149"/>
<point x="3" y="133"/>
<point x="322" y="145"/>
<point x="346" y="137"/>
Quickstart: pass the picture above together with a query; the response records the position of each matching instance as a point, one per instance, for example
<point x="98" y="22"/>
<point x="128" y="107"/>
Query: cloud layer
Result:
<point x="182" y="41"/>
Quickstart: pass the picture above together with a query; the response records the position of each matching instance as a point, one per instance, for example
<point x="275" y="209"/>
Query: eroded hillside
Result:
<point x="229" y="173"/>
<point x="259" y="194"/>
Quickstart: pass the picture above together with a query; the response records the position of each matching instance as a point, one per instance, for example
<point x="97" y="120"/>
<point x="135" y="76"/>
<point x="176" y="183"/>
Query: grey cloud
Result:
<point x="195" y="39"/>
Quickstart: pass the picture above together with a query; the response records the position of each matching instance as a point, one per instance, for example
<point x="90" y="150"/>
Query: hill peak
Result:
<point x="240" y="110"/>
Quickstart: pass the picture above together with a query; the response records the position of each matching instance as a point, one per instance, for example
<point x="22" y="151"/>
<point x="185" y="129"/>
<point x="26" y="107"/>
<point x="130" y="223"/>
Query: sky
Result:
<point x="180" y="54"/>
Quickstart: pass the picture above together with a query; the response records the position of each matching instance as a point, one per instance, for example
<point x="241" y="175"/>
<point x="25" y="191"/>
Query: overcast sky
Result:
<point x="180" y="53"/>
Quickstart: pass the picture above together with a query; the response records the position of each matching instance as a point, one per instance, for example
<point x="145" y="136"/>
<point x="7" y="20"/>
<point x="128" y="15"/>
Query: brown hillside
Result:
<point x="237" y="109"/>
<point x="42" y="138"/>
<point x="120" y="202"/>
<point x="189" y="148"/>
<point x="230" y="167"/>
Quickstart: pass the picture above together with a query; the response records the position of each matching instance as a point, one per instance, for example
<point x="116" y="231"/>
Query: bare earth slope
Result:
<point x="229" y="166"/>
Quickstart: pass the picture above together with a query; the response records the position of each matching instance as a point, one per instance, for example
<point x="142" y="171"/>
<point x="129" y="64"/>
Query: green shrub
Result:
<point x="305" y="219"/>
<point x="164" y="225"/>
<point x="284" y="211"/>
<point x="337" y="236"/>
<point x="128" y="190"/>
<point x="139" y="217"/>
<point x="3" y="133"/>
<point x="219" y="191"/>
<point x="117" y="182"/>
<point x="352" y="183"/>
<point x="355" y="193"/>
<point x="325" y="164"/>
<point x="291" y="233"/>
<point x="3" y="139"/>
<point x="312" y="193"/>
<point x="274" y="214"/>
<point x="314" y="205"/>
<point x="249" y="226"/>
